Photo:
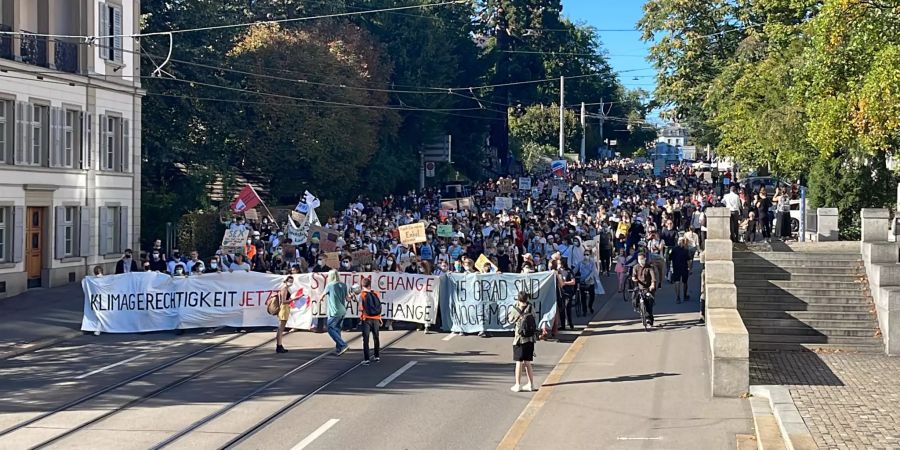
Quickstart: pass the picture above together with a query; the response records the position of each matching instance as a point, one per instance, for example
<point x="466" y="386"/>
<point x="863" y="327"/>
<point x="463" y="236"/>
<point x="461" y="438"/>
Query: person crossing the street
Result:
<point x="370" y="314"/>
<point x="336" y="291"/>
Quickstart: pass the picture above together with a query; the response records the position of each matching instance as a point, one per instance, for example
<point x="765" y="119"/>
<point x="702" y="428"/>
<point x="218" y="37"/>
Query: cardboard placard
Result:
<point x="234" y="240"/>
<point x="503" y="203"/>
<point x="251" y="214"/>
<point x="524" y="184"/>
<point x="413" y="233"/>
<point x="445" y="231"/>
<point x="505" y="186"/>
<point x="327" y="238"/>
<point x="298" y="217"/>
<point x="481" y="261"/>
<point x="362" y="257"/>
<point x="593" y="174"/>
<point x="333" y="259"/>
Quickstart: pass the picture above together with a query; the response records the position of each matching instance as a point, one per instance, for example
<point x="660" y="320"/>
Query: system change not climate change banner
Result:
<point x="151" y="301"/>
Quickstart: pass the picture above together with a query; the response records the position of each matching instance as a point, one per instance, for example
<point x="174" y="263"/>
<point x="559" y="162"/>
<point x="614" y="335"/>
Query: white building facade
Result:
<point x="70" y="139"/>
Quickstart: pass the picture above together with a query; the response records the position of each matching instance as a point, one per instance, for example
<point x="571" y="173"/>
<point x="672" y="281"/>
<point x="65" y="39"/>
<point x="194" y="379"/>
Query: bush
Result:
<point x="200" y="231"/>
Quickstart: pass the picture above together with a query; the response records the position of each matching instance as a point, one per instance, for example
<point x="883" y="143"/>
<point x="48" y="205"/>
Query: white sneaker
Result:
<point x="515" y="388"/>
<point x="527" y="388"/>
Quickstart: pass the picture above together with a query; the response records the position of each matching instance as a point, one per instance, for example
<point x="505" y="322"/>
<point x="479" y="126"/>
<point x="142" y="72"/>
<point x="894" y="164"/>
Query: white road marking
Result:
<point x="396" y="374"/>
<point x="108" y="367"/>
<point x="315" y="434"/>
<point x="449" y="336"/>
<point x="622" y="438"/>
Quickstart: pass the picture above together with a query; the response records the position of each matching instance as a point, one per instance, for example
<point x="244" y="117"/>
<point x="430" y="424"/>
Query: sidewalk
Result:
<point x="622" y="387"/>
<point x="38" y="317"/>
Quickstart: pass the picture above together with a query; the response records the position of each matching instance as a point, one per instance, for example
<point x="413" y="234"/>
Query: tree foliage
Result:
<point x="535" y="133"/>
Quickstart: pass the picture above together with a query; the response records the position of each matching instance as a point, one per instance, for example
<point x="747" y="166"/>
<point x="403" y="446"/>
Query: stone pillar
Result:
<point x="729" y="342"/>
<point x="826" y="224"/>
<point x="875" y="224"/>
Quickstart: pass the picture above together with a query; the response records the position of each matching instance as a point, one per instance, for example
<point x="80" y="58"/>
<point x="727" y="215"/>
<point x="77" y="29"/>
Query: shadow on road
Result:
<point x="619" y="379"/>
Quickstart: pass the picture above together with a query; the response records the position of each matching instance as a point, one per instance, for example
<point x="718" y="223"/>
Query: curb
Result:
<point x="520" y="426"/>
<point x="21" y="349"/>
<point x="773" y="402"/>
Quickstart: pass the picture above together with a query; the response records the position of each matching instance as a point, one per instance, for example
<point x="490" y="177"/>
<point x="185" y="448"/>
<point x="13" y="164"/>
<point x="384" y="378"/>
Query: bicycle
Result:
<point x="642" y="307"/>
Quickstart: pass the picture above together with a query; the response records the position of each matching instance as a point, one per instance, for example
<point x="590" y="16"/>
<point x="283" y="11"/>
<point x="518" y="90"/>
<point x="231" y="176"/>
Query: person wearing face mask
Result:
<point x="644" y="277"/>
<point x="239" y="265"/>
<point x="320" y="265"/>
<point x="586" y="271"/>
<point x="176" y="258"/>
<point x="126" y="264"/>
<point x="179" y="270"/>
<point x="214" y="266"/>
<point x="442" y="268"/>
<point x="157" y="264"/>
<point x="458" y="267"/>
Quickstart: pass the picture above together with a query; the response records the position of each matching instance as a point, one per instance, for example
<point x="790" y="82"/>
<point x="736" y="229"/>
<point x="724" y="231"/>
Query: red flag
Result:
<point x="247" y="199"/>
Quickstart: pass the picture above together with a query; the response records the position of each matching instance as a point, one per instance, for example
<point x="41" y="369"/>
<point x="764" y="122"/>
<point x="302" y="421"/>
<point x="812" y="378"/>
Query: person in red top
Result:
<point x="370" y="315"/>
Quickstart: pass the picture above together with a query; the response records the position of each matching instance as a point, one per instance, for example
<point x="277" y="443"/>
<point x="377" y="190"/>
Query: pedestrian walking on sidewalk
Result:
<point x="523" y="340"/>
<point x="283" y="297"/>
<point x="370" y="314"/>
<point x="336" y="291"/>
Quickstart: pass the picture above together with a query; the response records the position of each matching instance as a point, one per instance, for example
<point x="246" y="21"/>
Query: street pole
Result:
<point x="562" y="116"/>
<point x="583" y="135"/>
<point x="602" y="120"/>
<point x="422" y="171"/>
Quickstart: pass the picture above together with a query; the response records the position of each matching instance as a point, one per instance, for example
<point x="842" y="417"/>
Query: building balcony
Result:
<point x="6" y="43"/>
<point x="66" y="56"/>
<point x="33" y="49"/>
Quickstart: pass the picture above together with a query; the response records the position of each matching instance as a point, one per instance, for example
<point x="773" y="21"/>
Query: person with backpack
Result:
<point x="370" y="315"/>
<point x="522" y="314"/>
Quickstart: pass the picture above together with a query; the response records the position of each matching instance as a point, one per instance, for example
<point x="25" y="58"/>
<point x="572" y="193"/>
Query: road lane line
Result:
<point x="396" y="374"/>
<point x="623" y="438"/>
<point x="449" y="336"/>
<point x="109" y="367"/>
<point x="315" y="434"/>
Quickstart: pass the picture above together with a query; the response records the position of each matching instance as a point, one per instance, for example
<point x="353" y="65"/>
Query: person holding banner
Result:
<point x="336" y="291"/>
<point x="523" y="341"/>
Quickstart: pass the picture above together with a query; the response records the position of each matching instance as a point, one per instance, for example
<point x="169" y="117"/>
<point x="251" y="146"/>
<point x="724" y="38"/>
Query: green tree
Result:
<point x="535" y="133"/>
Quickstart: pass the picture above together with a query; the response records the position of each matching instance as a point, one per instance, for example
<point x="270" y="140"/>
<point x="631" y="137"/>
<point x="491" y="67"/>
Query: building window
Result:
<point x="69" y="225"/>
<point x="5" y="213"/>
<point x="113" y="230"/>
<point x="71" y="137"/>
<point x="114" y="143"/>
<point x="110" y="143"/>
<point x="6" y="123"/>
<point x="111" y="27"/>
<point x="40" y="135"/>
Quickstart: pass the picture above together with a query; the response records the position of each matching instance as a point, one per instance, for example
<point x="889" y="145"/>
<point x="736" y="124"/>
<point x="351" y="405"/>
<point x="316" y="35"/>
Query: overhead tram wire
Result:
<point x="240" y="25"/>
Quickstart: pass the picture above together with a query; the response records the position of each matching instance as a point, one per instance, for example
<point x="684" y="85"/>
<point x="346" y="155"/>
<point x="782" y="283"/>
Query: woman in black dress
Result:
<point x="783" y="213"/>
<point x="763" y="205"/>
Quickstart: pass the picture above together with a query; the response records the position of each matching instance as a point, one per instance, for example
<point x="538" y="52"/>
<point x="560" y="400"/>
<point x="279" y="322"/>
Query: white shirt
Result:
<point x="732" y="202"/>
<point x="235" y="267"/>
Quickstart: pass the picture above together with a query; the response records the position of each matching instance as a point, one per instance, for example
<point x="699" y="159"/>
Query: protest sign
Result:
<point x="443" y="214"/>
<point x="458" y="203"/>
<point x="362" y="257"/>
<point x="413" y="233"/>
<point x="481" y="261"/>
<point x="593" y="174"/>
<point x="554" y="192"/>
<point x="503" y="203"/>
<point x="559" y="167"/>
<point x="578" y="191"/>
<point x="333" y="259"/>
<point x="297" y="233"/>
<point x="251" y="214"/>
<point x="505" y="186"/>
<point x="524" y="184"/>
<point x="445" y="231"/>
<point x="481" y="302"/>
<point x="298" y="217"/>
<point x="139" y="302"/>
<point x="327" y="238"/>
<point x="234" y="240"/>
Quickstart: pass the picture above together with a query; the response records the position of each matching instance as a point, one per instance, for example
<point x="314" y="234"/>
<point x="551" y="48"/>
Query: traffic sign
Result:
<point x="438" y="150"/>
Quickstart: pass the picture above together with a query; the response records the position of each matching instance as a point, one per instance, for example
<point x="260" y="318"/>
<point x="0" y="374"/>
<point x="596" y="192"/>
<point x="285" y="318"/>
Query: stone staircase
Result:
<point x="794" y="300"/>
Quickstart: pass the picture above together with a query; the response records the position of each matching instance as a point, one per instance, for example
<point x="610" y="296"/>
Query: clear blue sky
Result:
<point x="625" y="48"/>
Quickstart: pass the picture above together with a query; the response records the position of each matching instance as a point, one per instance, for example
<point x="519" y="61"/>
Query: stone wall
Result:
<point x="881" y="259"/>
<point x="729" y="342"/>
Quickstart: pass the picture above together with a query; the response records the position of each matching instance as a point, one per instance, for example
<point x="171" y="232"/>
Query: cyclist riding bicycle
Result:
<point x="644" y="276"/>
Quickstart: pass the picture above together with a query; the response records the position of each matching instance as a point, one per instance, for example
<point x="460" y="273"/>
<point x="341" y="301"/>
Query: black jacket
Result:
<point x="120" y="266"/>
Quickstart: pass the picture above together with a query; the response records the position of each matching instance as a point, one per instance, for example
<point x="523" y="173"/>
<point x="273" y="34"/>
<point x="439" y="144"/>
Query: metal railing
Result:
<point x="66" y="56"/>
<point x="6" y="43"/>
<point x="33" y="49"/>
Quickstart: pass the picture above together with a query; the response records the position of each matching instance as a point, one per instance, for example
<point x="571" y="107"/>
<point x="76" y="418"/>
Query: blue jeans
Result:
<point x="334" y="330"/>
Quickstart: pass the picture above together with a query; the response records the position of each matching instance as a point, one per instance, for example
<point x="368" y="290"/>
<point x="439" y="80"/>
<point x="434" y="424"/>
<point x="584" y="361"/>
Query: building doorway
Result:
<point x="34" y="245"/>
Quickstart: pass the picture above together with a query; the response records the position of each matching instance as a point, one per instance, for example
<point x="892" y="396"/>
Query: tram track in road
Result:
<point x="281" y="411"/>
<point x="88" y="397"/>
<point x="161" y="390"/>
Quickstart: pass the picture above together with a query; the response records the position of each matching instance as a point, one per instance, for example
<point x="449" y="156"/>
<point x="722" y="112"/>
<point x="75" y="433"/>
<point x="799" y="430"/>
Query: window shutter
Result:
<point x="104" y="31"/>
<point x="84" y="245"/>
<point x="126" y="145"/>
<point x="18" y="234"/>
<point x="87" y="149"/>
<point x="22" y="127"/>
<point x="56" y="151"/>
<point x="123" y="228"/>
<point x="60" y="232"/>
<point x="103" y="230"/>
<point x="101" y="132"/>
<point x="117" y="30"/>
